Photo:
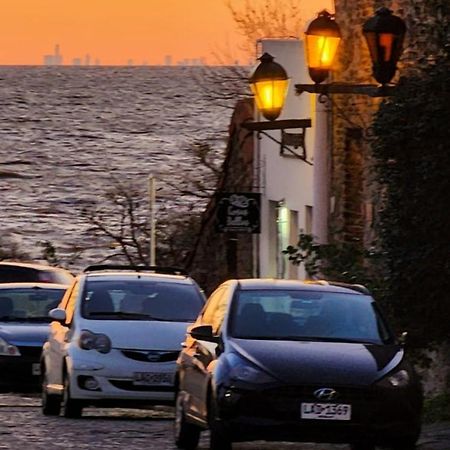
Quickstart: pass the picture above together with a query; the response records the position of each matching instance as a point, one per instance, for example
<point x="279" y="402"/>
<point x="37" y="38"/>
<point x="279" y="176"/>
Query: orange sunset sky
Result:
<point x="118" y="31"/>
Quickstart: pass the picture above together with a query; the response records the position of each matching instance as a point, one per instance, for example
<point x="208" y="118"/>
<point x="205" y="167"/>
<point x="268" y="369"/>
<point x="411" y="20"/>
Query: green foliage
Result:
<point x="347" y="262"/>
<point x="412" y="153"/>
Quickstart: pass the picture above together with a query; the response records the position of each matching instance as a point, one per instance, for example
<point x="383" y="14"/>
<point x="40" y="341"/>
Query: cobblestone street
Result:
<point x="23" y="427"/>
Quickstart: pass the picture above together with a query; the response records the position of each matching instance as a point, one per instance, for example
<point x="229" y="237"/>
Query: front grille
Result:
<point x="129" y="386"/>
<point x="151" y="355"/>
<point x="284" y="402"/>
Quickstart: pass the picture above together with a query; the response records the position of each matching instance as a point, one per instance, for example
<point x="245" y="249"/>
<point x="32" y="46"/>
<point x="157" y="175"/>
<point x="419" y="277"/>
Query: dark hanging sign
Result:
<point x="238" y="212"/>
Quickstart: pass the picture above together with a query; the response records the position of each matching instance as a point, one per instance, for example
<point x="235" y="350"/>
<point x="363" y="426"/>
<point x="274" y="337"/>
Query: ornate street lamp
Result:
<point x="269" y="83"/>
<point x="322" y="39"/>
<point x="384" y="34"/>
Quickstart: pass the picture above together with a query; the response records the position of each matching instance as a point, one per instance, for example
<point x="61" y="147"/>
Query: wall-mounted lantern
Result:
<point x="384" y="34"/>
<point x="269" y="83"/>
<point x="322" y="39"/>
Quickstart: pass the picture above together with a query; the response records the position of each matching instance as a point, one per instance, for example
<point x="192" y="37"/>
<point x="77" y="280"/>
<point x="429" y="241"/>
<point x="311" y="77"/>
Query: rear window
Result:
<point x="28" y="304"/>
<point x="11" y="274"/>
<point x="139" y="299"/>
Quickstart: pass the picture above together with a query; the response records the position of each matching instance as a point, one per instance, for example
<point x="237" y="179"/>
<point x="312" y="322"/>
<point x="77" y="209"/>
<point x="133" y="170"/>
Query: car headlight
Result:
<point x="7" y="349"/>
<point x="92" y="341"/>
<point x="398" y="379"/>
<point x="242" y="371"/>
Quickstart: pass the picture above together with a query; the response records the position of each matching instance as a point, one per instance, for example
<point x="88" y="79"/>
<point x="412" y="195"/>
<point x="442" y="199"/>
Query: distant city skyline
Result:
<point x="116" y="32"/>
<point x="57" y="59"/>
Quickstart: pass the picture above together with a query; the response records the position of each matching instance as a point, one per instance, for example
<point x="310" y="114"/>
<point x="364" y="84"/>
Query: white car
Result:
<point x="115" y="338"/>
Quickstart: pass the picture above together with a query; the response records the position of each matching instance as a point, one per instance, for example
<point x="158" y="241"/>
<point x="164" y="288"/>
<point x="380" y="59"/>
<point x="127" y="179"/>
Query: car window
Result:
<point x="28" y="304"/>
<point x="138" y="299"/>
<point x="19" y="274"/>
<point x="276" y="314"/>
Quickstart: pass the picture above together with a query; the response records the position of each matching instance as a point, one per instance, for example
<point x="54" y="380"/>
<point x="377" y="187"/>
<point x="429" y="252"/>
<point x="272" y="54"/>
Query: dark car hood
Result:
<point x="301" y="362"/>
<point x="27" y="334"/>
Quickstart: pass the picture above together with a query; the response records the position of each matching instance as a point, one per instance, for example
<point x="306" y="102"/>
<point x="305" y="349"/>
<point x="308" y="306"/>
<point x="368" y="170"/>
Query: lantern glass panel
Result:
<point x="270" y="96"/>
<point x="321" y="50"/>
<point x="386" y="43"/>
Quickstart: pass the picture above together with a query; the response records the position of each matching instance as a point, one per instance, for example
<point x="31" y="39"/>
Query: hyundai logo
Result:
<point x="153" y="356"/>
<point x="325" y="394"/>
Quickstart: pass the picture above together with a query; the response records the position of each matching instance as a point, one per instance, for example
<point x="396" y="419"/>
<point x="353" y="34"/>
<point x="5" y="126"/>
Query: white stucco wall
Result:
<point x="282" y="178"/>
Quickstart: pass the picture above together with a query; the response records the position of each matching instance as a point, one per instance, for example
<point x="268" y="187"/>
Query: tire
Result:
<point x="71" y="408"/>
<point x="186" y="434"/>
<point x="50" y="404"/>
<point x="219" y="438"/>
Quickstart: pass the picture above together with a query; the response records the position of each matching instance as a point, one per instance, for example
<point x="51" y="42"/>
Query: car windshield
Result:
<point x="28" y="304"/>
<point x="306" y="315"/>
<point x="138" y="299"/>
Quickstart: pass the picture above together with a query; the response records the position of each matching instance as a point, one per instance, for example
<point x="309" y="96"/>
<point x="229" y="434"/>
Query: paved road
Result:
<point x="23" y="427"/>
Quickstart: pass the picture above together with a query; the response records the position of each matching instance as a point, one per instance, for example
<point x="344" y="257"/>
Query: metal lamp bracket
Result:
<point x="290" y="142"/>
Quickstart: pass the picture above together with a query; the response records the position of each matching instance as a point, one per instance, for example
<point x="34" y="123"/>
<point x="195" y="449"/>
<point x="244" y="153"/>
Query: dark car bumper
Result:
<point x="275" y="415"/>
<point x="21" y="371"/>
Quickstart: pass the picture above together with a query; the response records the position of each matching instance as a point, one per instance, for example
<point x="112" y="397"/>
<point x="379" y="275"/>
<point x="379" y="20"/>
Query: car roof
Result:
<point x="315" y="285"/>
<point x="114" y="276"/>
<point x="32" y="284"/>
<point x="113" y="272"/>
<point x="32" y="265"/>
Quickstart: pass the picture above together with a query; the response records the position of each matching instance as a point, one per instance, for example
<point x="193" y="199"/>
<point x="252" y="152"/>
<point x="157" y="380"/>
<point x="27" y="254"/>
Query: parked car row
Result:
<point x="277" y="360"/>
<point x="27" y="293"/>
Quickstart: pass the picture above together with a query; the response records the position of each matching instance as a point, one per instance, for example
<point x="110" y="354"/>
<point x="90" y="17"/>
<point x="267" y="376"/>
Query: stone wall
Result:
<point x="355" y="195"/>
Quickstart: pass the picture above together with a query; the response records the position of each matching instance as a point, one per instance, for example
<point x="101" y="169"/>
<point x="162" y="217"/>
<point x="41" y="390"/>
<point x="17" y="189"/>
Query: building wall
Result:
<point x="354" y="193"/>
<point x="285" y="180"/>
<point x="219" y="256"/>
<point x="254" y="164"/>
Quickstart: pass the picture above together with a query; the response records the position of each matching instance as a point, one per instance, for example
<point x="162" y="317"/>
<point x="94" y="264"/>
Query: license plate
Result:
<point x="326" y="411"/>
<point x="36" y="369"/>
<point x="150" y="378"/>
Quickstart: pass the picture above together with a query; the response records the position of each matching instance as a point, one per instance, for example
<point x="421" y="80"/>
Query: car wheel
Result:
<point x="50" y="404"/>
<point x="187" y="435"/>
<point x="71" y="408"/>
<point x="219" y="439"/>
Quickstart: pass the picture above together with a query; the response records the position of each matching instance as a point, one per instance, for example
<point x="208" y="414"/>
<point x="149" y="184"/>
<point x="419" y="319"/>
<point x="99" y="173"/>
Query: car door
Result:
<point x="199" y="356"/>
<point x="59" y="336"/>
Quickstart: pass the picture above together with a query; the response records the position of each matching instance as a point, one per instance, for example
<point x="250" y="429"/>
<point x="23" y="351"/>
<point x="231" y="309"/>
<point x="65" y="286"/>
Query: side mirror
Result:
<point x="57" y="314"/>
<point x="203" y="333"/>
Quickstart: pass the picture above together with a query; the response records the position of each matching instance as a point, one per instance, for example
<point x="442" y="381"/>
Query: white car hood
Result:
<point x="140" y="335"/>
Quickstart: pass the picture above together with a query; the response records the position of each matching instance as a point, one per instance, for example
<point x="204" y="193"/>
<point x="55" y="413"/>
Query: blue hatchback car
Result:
<point x="24" y="327"/>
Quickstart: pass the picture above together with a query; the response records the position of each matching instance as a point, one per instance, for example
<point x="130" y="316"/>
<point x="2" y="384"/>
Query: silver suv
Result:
<point x="115" y="338"/>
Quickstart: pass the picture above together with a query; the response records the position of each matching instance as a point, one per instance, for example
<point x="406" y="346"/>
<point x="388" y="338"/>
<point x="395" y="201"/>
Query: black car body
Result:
<point x="18" y="272"/>
<point x="24" y="327"/>
<point x="283" y="360"/>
